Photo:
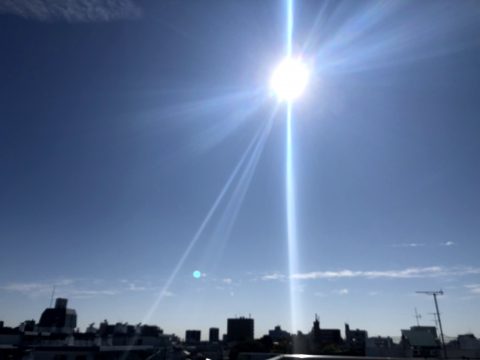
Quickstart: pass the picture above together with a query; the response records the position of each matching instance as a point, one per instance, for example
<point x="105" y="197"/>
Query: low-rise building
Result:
<point x="193" y="336"/>
<point x="421" y="341"/>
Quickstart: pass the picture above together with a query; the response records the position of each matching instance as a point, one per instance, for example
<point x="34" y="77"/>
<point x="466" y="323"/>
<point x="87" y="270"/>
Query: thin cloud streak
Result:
<point x="87" y="293"/>
<point x="408" y="245"/>
<point x="473" y="288"/>
<point x="36" y="288"/>
<point x="448" y="243"/>
<point x="274" y="276"/>
<point x="342" y="291"/>
<point x="28" y="288"/>
<point x="72" y="10"/>
<point x="408" y="273"/>
<point x="73" y="288"/>
<point x="416" y="245"/>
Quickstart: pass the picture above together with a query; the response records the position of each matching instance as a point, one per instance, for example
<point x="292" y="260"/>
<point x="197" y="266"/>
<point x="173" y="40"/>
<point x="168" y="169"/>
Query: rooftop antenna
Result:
<point x="434" y="294"/>
<point x="434" y="318"/>
<point x="53" y="294"/>
<point x="418" y="317"/>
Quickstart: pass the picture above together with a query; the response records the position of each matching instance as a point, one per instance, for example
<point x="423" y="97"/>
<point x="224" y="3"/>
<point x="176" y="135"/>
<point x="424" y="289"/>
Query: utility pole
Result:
<point x="434" y="294"/>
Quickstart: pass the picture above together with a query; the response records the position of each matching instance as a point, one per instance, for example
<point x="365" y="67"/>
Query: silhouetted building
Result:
<point x="315" y="333"/>
<point x="468" y="342"/>
<point x="383" y="347"/>
<point x="9" y="336"/>
<point x="421" y="341"/>
<point x="27" y="325"/>
<point x="192" y="336"/>
<point x="150" y="330"/>
<point x="240" y="329"/>
<point x="214" y="335"/>
<point x="55" y="338"/>
<point x="277" y="334"/>
<point x="466" y="346"/>
<point x="356" y="340"/>
<point x="324" y="336"/>
<point x="59" y="319"/>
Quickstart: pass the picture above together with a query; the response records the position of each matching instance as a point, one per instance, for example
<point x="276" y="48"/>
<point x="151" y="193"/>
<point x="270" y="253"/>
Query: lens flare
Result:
<point x="289" y="79"/>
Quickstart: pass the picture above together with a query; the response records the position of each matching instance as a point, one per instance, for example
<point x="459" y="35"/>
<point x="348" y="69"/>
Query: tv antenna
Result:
<point x="434" y="318"/>
<point x="417" y="317"/>
<point x="53" y="294"/>
<point x="435" y="294"/>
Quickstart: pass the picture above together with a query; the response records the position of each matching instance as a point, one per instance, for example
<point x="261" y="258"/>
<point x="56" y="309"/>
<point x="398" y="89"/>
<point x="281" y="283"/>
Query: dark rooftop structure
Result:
<point x="240" y="329"/>
<point x="59" y="318"/>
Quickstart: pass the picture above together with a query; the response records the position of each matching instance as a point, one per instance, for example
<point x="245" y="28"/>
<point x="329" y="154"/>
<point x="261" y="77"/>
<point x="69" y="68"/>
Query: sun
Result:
<point x="289" y="79"/>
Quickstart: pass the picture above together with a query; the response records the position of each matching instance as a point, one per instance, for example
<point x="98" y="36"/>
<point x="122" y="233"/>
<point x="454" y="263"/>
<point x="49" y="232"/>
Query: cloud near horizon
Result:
<point x="72" y="10"/>
<point x="407" y="245"/>
<point x="448" y="243"/>
<point x="74" y="288"/>
<point x="417" y="245"/>
<point x="408" y="273"/>
<point x="273" y="276"/>
<point x="473" y="288"/>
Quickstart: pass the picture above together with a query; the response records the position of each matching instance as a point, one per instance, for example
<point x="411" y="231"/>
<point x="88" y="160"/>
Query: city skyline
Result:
<point x="142" y="162"/>
<point x="239" y="328"/>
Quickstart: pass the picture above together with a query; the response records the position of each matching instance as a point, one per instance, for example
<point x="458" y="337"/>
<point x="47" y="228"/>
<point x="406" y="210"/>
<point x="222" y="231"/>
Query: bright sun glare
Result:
<point x="289" y="79"/>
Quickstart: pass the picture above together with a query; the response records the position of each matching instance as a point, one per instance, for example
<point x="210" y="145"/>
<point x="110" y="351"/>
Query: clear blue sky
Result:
<point x="121" y="124"/>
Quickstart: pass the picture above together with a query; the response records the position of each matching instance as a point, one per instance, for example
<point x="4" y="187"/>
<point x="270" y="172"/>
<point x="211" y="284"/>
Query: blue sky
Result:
<point x="122" y="124"/>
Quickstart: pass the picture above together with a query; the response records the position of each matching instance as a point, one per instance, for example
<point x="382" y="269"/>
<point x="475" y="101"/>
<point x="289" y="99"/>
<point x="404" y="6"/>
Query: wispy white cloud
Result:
<point x="36" y="288"/>
<point x="408" y="273"/>
<point x="473" y="288"/>
<point x="227" y="281"/>
<point x="89" y="293"/>
<point x="75" y="288"/>
<point x="341" y="291"/>
<point x="168" y="294"/>
<point x="134" y="287"/>
<point x="273" y="276"/>
<point x="71" y="10"/>
<point x="417" y="245"/>
<point x="408" y="245"/>
<point x="28" y="288"/>
<point x="448" y="243"/>
<point x="425" y="272"/>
